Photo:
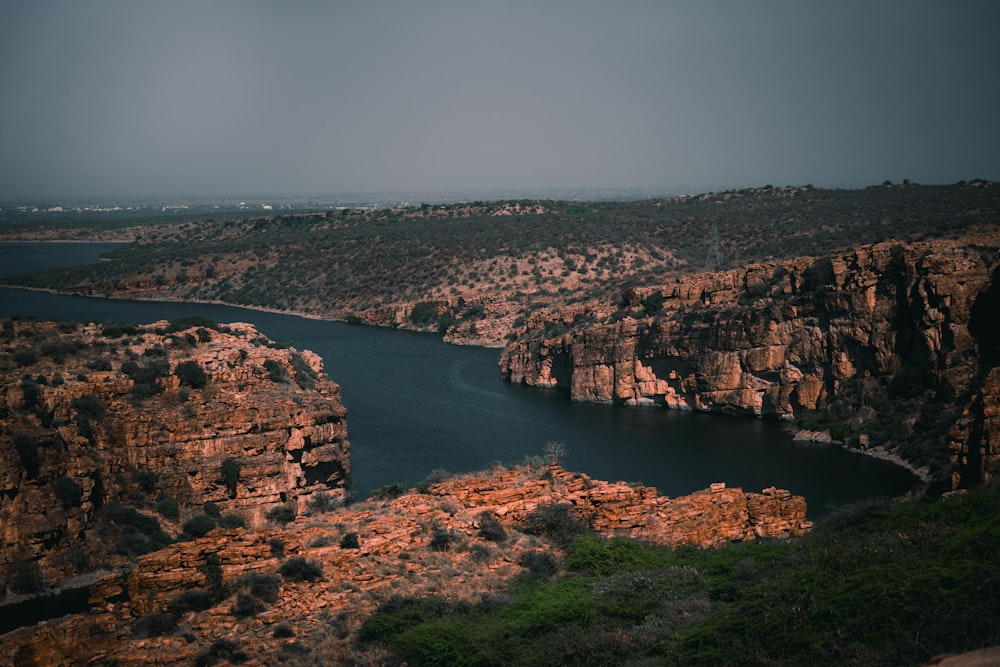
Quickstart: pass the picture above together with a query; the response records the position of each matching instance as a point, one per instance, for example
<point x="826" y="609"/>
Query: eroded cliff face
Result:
<point x="397" y="549"/>
<point x="111" y="440"/>
<point x="780" y="338"/>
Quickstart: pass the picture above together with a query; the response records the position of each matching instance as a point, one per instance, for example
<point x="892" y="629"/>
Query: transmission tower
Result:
<point x="714" y="257"/>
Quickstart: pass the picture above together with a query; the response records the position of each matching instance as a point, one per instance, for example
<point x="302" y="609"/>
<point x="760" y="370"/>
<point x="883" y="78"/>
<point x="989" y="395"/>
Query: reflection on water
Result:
<point x="415" y="403"/>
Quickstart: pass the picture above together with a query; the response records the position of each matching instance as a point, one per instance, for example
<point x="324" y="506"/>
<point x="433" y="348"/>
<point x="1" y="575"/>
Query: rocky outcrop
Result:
<point x="781" y="338"/>
<point x="416" y="544"/>
<point x="975" y="439"/>
<point x="706" y="518"/>
<point x="114" y="437"/>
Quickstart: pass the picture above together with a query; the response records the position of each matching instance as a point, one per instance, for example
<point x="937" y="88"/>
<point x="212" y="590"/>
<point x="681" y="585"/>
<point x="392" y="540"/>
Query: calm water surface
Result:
<point x="415" y="404"/>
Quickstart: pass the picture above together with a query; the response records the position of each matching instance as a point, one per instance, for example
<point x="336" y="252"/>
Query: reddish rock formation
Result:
<point x="705" y="518"/>
<point x="781" y="338"/>
<point x="396" y="554"/>
<point x="156" y="417"/>
<point x="975" y="439"/>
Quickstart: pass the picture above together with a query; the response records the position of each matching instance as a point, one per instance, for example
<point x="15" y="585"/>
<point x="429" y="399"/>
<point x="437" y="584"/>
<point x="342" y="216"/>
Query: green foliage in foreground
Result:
<point x="876" y="584"/>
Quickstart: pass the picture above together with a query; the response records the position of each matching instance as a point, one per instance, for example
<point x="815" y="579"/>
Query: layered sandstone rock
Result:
<point x="202" y="415"/>
<point x="399" y="550"/>
<point x="706" y="518"/>
<point x="781" y="338"/>
<point x="975" y="439"/>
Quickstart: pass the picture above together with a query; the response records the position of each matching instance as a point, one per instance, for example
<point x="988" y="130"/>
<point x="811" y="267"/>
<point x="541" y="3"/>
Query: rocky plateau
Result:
<point x="423" y="542"/>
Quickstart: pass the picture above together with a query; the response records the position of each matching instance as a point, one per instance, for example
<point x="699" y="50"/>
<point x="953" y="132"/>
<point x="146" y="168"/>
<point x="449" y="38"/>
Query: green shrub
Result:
<point x="282" y="515"/>
<point x="246" y="605"/>
<point x="191" y="374"/>
<point x="119" y="329"/>
<point x="399" y="613"/>
<point x="490" y="528"/>
<point x="389" y="491"/>
<point x="189" y="322"/>
<point x="212" y="510"/>
<point x="168" y="508"/>
<point x="143" y="390"/>
<point x="540" y="564"/>
<point x="155" y="625"/>
<point x="293" y="652"/>
<point x="275" y="371"/>
<point x="230" y="471"/>
<point x="433" y="477"/>
<point x="147" y="374"/>
<point x="594" y="555"/>
<point x="129" y="519"/>
<point x="305" y="376"/>
<point x="300" y="569"/>
<point x="524" y="631"/>
<point x="262" y="586"/>
<point x="442" y="539"/>
<point x="652" y="304"/>
<point x="198" y="525"/>
<point x="25" y="357"/>
<point x="423" y="314"/>
<point x="282" y="631"/>
<point x="212" y="569"/>
<point x="100" y="364"/>
<point x="277" y="547"/>
<point x="146" y="479"/>
<point x="445" y="322"/>
<point x="222" y="649"/>
<point x="555" y="521"/>
<point x="350" y="541"/>
<point x="323" y="502"/>
<point x="192" y="600"/>
<point x="31" y="391"/>
<point x="68" y="492"/>
<point x="90" y="406"/>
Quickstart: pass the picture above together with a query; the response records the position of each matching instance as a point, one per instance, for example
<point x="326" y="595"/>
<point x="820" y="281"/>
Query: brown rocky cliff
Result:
<point x="974" y="441"/>
<point x="395" y="555"/>
<point x="780" y="338"/>
<point x="248" y="427"/>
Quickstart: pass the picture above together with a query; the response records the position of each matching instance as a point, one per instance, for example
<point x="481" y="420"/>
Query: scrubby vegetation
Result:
<point x="443" y="260"/>
<point x="301" y="569"/>
<point x="877" y="583"/>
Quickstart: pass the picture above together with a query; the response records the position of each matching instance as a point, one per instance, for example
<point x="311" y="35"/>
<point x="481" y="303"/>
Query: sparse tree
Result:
<point x="554" y="451"/>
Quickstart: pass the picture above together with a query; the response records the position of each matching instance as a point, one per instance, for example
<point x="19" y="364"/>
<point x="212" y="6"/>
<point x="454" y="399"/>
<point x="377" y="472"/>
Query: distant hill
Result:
<point x="480" y="266"/>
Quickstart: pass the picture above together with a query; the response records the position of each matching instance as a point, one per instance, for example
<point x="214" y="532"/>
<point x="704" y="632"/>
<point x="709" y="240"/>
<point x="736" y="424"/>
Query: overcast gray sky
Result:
<point x="131" y="98"/>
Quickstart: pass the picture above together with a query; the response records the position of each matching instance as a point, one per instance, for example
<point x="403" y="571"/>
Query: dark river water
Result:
<point x="415" y="404"/>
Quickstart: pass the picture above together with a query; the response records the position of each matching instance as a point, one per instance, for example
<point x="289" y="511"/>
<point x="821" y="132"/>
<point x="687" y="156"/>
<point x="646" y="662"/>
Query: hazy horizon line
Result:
<point x="444" y="195"/>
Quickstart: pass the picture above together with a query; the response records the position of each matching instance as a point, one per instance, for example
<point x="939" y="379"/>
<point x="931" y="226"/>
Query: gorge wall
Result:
<point x="113" y="437"/>
<point x="782" y="338"/>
